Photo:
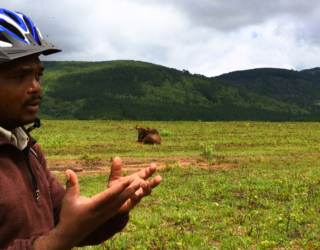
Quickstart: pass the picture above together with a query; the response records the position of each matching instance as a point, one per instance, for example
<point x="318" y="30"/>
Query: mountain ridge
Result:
<point x="128" y="89"/>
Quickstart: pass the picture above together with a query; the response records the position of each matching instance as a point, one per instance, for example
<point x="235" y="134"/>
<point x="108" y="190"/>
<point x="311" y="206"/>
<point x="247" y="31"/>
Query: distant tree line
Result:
<point x="134" y="90"/>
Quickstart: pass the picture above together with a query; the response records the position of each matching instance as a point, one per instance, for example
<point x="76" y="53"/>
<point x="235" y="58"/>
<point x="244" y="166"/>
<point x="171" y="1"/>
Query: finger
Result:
<point x="117" y="194"/>
<point x="147" y="172"/>
<point x="144" y="190"/>
<point x="155" y="181"/>
<point x="146" y="187"/>
<point x="132" y="202"/>
<point x="72" y="184"/>
<point x="116" y="169"/>
<point x="131" y="190"/>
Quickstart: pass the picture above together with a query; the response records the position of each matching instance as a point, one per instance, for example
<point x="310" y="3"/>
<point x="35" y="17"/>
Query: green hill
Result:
<point x="136" y="90"/>
<point x="313" y="71"/>
<point x="301" y="88"/>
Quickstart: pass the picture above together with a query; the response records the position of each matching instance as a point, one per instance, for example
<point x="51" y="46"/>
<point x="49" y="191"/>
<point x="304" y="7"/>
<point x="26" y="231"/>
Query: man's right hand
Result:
<point x="80" y="216"/>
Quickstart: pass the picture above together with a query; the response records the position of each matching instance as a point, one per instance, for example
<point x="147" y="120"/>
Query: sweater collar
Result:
<point x="17" y="136"/>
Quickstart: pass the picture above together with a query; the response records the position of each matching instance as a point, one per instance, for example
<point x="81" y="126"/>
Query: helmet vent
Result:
<point x="12" y="17"/>
<point x="4" y="39"/>
<point x="28" y="25"/>
<point x="13" y="29"/>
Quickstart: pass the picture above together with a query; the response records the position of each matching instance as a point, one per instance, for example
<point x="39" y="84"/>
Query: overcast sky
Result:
<point x="208" y="37"/>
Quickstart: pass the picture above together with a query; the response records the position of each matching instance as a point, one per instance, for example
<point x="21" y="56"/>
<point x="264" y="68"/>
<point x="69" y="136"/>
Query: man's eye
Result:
<point x="39" y="76"/>
<point x="19" y="77"/>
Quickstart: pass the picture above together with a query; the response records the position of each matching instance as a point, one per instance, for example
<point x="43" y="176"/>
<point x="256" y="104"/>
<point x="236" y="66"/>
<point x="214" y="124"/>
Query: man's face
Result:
<point x="20" y="91"/>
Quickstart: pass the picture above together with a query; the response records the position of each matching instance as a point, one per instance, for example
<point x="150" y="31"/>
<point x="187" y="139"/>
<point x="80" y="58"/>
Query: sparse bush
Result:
<point x="164" y="133"/>
<point x="207" y="152"/>
<point x="90" y="161"/>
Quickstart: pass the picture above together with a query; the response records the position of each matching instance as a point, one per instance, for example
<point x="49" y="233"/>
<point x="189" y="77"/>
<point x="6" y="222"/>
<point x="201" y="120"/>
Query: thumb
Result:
<point x="72" y="185"/>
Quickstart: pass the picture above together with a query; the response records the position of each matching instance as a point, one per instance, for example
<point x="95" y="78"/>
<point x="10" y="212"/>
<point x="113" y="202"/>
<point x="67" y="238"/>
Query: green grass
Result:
<point x="69" y="139"/>
<point x="267" y="197"/>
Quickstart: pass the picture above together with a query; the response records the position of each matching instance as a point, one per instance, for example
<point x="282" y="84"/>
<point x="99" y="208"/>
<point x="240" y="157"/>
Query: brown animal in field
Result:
<point x="148" y="135"/>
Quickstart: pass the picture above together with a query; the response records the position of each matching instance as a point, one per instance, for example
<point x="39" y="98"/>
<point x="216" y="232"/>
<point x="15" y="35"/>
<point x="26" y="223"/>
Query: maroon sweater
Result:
<point x="22" y="218"/>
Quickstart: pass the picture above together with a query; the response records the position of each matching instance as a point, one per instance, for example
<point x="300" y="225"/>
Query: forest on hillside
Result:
<point x="134" y="90"/>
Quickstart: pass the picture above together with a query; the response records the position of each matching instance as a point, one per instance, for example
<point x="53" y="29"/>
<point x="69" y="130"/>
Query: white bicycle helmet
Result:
<point x="19" y="37"/>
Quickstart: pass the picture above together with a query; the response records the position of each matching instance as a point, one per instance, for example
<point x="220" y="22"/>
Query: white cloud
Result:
<point x="208" y="37"/>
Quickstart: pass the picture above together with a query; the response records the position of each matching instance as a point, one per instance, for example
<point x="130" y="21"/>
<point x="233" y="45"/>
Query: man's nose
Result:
<point x="34" y="87"/>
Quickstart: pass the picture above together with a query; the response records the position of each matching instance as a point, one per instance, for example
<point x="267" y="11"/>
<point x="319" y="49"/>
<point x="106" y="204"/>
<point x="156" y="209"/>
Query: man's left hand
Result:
<point x="146" y="186"/>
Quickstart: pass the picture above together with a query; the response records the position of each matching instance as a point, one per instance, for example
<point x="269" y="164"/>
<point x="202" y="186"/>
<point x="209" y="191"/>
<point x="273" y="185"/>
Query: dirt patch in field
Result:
<point x="130" y="164"/>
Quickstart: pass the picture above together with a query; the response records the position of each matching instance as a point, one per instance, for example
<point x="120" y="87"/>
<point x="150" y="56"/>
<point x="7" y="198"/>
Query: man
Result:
<point x="36" y="211"/>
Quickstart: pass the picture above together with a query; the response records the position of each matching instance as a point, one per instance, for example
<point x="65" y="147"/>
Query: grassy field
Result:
<point x="261" y="189"/>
